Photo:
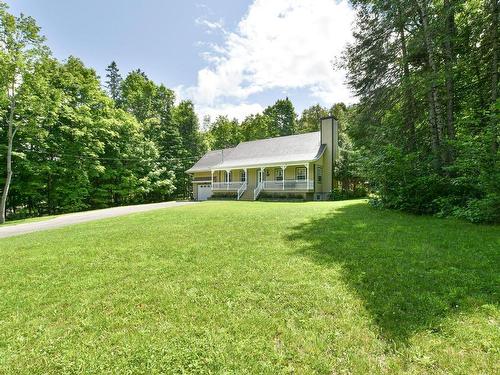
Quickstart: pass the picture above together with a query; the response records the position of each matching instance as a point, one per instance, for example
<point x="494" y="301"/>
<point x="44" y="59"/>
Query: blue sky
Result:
<point x="229" y="57"/>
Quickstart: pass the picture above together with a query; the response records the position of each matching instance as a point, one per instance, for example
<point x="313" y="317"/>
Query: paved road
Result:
<point x="82" y="217"/>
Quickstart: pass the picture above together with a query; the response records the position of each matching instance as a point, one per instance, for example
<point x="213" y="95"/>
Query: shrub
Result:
<point x="341" y="195"/>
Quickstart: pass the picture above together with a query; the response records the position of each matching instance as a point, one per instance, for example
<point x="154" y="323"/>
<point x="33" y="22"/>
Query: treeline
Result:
<point x="423" y="137"/>
<point x="69" y="145"/>
<point x="426" y="73"/>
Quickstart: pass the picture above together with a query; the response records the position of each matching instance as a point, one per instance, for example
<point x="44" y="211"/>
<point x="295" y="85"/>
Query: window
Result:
<point x="319" y="175"/>
<point x="301" y="173"/>
<point x="226" y="176"/>
<point x="243" y="176"/>
<point x="278" y="173"/>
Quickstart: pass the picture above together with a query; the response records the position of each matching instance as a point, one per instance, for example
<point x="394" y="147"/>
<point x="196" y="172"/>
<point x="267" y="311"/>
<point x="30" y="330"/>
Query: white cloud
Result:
<point x="279" y="44"/>
<point x="238" y="111"/>
<point x="211" y="26"/>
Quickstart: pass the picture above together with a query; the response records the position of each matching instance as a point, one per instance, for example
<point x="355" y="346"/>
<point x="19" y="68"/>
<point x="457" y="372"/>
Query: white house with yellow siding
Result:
<point x="294" y="166"/>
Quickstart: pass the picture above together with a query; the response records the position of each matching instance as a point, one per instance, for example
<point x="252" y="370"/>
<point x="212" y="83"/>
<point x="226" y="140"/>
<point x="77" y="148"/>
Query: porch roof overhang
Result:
<point x="268" y="162"/>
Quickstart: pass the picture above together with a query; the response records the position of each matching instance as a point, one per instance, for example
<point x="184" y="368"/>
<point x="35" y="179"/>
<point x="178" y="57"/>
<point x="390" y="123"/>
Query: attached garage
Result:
<point x="204" y="192"/>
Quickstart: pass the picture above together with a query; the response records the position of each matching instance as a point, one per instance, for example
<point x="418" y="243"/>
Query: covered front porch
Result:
<point x="275" y="178"/>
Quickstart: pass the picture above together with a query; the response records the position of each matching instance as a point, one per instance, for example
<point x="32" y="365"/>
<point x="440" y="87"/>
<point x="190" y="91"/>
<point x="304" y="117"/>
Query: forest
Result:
<point x="422" y="136"/>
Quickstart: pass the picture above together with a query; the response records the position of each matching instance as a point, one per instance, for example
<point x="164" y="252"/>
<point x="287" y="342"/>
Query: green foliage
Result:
<point x="355" y="193"/>
<point x="193" y="145"/>
<point x="311" y="119"/>
<point x="276" y="120"/>
<point x="225" y="133"/>
<point x="282" y="118"/>
<point x="74" y="147"/>
<point x="223" y="195"/>
<point x="79" y="151"/>
<point x="114" y="81"/>
<point x="256" y="127"/>
<point x="426" y="127"/>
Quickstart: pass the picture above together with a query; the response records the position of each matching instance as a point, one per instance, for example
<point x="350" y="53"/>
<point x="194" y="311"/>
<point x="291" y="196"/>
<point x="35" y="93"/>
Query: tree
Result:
<point x="310" y="119"/>
<point x="225" y="133"/>
<point x="21" y="48"/>
<point x="282" y="118"/>
<point x="193" y="146"/>
<point x="256" y="127"/>
<point x="153" y="106"/>
<point x="167" y="137"/>
<point x="493" y="32"/>
<point x="435" y="120"/>
<point x="114" y="80"/>
<point x="137" y="95"/>
<point x="425" y="126"/>
<point x="188" y="124"/>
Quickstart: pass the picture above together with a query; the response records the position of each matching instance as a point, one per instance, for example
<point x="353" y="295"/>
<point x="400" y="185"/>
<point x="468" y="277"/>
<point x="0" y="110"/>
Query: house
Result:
<point x="298" y="166"/>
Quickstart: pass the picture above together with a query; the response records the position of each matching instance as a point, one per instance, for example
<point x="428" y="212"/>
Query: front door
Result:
<point x="259" y="176"/>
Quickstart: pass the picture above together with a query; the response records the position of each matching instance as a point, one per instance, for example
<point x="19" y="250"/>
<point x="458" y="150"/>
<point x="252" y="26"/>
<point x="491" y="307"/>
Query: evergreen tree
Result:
<point x="187" y="121"/>
<point x="193" y="147"/>
<point x="425" y="73"/>
<point x="114" y="80"/>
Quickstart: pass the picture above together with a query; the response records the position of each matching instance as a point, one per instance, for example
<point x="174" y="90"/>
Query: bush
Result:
<point x="223" y="195"/>
<point x="342" y="195"/>
<point x="274" y="196"/>
<point x="486" y="210"/>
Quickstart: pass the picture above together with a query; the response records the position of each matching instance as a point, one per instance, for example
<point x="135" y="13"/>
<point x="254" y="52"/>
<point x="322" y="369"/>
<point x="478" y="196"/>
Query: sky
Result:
<point x="230" y="57"/>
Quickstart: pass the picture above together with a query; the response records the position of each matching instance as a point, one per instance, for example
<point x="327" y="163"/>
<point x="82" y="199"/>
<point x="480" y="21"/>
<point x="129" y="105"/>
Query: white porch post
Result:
<point x="246" y="175"/>
<point x="212" y="180"/>
<point x="283" y="167"/>
<point x="307" y="175"/>
<point x="262" y="169"/>
<point x="227" y="178"/>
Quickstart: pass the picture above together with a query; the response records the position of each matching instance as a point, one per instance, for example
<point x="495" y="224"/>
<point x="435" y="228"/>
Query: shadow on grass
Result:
<point x="411" y="272"/>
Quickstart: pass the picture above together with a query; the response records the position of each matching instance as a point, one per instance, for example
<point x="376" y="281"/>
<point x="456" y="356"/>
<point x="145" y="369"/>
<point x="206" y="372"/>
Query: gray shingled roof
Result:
<point x="271" y="151"/>
<point x="209" y="160"/>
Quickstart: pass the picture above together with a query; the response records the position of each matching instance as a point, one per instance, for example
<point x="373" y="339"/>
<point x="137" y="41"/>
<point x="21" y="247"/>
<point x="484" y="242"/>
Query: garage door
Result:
<point x="204" y="192"/>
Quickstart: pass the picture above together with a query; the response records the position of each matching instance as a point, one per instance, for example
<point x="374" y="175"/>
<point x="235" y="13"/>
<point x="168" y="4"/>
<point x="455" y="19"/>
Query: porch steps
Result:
<point x="247" y="195"/>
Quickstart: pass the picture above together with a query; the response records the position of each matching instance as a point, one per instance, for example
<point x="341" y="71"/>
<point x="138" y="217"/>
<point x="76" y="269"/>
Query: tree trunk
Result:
<point x="494" y="50"/>
<point x="449" y="63"/>
<point x="49" y="191"/>
<point x="434" y="132"/>
<point x="410" y="100"/>
<point x="434" y="110"/>
<point x="494" y="73"/>
<point x="11" y="132"/>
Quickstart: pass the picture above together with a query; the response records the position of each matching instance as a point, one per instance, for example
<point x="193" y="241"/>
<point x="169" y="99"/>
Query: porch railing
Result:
<point x="257" y="191"/>
<point x="289" y="185"/>
<point x="242" y="189"/>
<point x="231" y="186"/>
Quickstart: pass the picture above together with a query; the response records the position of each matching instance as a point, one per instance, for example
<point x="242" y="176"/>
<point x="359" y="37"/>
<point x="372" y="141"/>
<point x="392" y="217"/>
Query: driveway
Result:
<point x="82" y="217"/>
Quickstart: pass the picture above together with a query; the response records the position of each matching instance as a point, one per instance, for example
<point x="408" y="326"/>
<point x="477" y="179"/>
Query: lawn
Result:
<point x="24" y="221"/>
<point x="252" y="287"/>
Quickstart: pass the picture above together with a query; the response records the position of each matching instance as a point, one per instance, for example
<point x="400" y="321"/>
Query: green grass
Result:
<point x="252" y="287"/>
<point x="28" y="220"/>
